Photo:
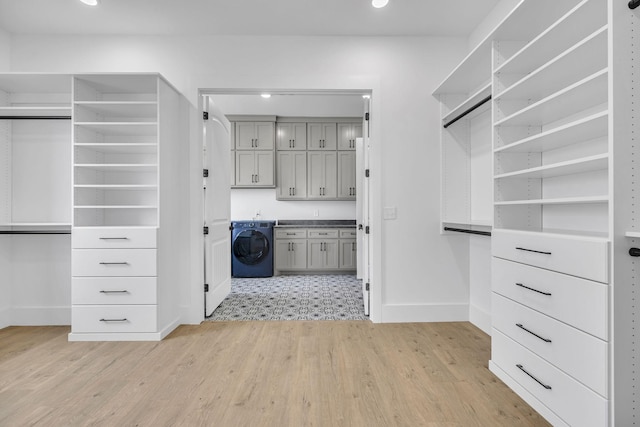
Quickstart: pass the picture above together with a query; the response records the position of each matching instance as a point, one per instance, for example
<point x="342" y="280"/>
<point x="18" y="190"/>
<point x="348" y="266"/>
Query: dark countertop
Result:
<point x="317" y="223"/>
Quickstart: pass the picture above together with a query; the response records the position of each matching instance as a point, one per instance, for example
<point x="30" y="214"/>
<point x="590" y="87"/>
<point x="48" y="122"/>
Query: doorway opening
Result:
<point x="231" y="194"/>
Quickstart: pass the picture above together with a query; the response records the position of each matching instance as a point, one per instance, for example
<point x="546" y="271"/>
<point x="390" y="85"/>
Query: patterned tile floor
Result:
<point x="303" y="297"/>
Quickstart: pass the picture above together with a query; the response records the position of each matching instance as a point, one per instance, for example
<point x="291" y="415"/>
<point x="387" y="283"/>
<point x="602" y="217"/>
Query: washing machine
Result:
<point x="252" y="248"/>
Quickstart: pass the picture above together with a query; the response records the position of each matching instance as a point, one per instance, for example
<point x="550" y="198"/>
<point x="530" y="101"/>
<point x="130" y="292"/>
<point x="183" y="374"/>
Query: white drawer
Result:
<point x="559" y="344"/>
<point x="576" y="404"/>
<point x="348" y="234"/>
<point x="113" y="318"/>
<point x="107" y="237"/>
<point x="113" y="262"/>
<point x="579" y="256"/>
<point x="290" y="233"/>
<point x="113" y="290"/>
<point x="578" y="302"/>
<point x="324" y="234"/>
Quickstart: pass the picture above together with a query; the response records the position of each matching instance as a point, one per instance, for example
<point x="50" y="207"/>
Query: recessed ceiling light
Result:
<point x="90" y="2"/>
<point x="379" y="3"/>
<point x="266" y="95"/>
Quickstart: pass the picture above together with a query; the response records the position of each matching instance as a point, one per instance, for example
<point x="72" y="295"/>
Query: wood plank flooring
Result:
<point x="308" y="373"/>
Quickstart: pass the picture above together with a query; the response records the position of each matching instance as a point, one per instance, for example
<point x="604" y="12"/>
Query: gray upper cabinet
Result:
<point x="347" y="175"/>
<point x="254" y="168"/>
<point x="322" y="174"/>
<point x="291" y="136"/>
<point x="292" y="175"/>
<point x="255" y="135"/>
<point x="347" y="134"/>
<point x="321" y="136"/>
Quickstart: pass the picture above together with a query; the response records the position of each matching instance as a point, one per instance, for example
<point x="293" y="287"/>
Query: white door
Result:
<point x="362" y="208"/>
<point x="217" y="211"/>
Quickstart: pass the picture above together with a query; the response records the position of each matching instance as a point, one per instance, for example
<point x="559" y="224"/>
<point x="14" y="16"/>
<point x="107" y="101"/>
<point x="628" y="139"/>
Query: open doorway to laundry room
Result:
<point x="286" y="176"/>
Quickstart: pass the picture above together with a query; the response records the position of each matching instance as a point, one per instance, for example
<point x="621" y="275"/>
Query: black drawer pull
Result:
<point x="548" y="387"/>
<point x="114" y="263"/>
<point x="114" y="238"/>
<point x="323" y="234"/>
<point x="291" y="234"/>
<point x="534" y="251"/>
<point x="519" y="325"/>
<point x="114" y="292"/>
<point x="534" y="290"/>
<point x="114" y="320"/>
<point x="634" y="252"/>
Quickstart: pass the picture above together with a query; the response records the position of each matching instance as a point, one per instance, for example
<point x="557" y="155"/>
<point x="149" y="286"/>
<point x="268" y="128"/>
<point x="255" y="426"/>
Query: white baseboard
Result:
<point x="191" y="316"/>
<point x="169" y="328"/>
<point x="480" y="318"/>
<point x="40" y="316"/>
<point x="408" y="313"/>
<point x="5" y="317"/>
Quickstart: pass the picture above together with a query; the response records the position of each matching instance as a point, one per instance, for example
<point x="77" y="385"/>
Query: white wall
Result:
<point x="5" y="50"/>
<point x="416" y="271"/>
<point x="5" y="281"/>
<point x="493" y="18"/>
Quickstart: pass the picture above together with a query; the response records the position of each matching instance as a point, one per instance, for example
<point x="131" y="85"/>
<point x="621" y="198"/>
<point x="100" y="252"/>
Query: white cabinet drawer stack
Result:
<point x="127" y="224"/>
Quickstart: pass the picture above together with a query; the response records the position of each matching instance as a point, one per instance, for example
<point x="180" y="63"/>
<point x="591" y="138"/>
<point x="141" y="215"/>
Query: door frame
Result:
<point x="372" y="89"/>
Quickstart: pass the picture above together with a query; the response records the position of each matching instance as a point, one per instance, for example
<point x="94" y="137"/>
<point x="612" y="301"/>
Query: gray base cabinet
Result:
<point x="315" y="250"/>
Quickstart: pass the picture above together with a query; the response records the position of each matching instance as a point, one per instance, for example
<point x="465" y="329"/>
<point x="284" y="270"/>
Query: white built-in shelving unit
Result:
<point x="564" y="126"/>
<point x="130" y="152"/>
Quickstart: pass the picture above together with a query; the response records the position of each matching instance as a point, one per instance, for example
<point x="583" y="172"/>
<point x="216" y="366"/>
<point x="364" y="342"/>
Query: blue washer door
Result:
<point x="250" y="247"/>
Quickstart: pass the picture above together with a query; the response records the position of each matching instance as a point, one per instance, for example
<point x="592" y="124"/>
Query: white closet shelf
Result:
<point x="587" y="128"/>
<point x="632" y="234"/>
<point x="115" y="109"/>
<point x="588" y="55"/>
<point x="586" y="93"/>
<point x="123" y="167"/>
<point x="42" y="111"/>
<point x="468" y="103"/>
<point x="558" y="201"/>
<point x="566" y="31"/>
<point x="124" y="147"/>
<point x="121" y="128"/>
<point x="582" y="165"/>
<point x="115" y="207"/>
<point x="601" y="236"/>
<point x="132" y="187"/>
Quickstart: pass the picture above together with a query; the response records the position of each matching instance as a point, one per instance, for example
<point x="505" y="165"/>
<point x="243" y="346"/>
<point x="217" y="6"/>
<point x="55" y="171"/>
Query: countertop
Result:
<point x="316" y="223"/>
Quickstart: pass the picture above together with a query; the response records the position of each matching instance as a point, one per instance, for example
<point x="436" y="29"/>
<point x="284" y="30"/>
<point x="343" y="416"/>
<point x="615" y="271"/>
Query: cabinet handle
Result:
<point x="353" y="246"/>
<point x="634" y="252"/>
<point x="548" y="387"/>
<point x="323" y="234"/>
<point x="532" y="250"/>
<point x="114" y="263"/>
<point x="113" y="238"/>
<point x="519" y="325"/>
<point x="291" y="234"/>
<point x="294" y="191"/>
<point x="290" y="191"/>
<point x="114" y="292"/>
<point x="114" y="320"/>
<point x="257" y="178"/>
<point x="534" y="290"/>
<point x="289" y="244"/>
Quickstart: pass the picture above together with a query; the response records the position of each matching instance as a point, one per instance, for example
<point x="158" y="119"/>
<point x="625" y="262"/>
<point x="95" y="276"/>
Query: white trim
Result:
<point x="404" y="313"/>
<point x="40" y="316"/>
<point x="480" y="318"/>
<point x="5" y="317"/>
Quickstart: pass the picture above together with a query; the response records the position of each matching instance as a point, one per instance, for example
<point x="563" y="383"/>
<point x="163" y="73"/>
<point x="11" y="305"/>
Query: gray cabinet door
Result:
<point x="347" y="175"/>
<point x="348" y="254"/>
<point x="347" y="134"/>
<point x="255" y="135"/>
<point x="322" y="175"/>
<point x="291" y="254"/>
<point x="323" y="254"/>
<point x="292" y="175"/>
<point x="254" y="169"/>
<point x="322" y="136"/>
<point x="264" y="169"/>
<point x="291" y="136"/>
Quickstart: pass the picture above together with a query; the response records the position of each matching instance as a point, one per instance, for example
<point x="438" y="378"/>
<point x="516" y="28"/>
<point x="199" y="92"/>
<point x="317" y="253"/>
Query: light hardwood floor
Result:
<point x="332" y="373"/>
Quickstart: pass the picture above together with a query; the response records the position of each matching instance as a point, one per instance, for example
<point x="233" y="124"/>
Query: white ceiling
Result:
<point x="245" y="17"/>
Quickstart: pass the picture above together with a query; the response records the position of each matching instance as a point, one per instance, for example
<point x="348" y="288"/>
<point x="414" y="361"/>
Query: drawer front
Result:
<point x="348" y="234"/>
<point x="113" y="318"/>
<point x="559" y="344"/>
<point x="577" y="256"/>
<point x="290" y="234"/>
<point x="324" y="234"/>
<point x="113" y="262"/>
<point x="113" y="290"/>
<point x="104" y="238"/>
<point x="576" y="404"/>
<point x="578" y="302"/>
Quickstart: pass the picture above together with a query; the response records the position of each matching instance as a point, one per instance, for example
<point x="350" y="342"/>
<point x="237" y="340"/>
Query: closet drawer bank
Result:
<point x="114" y="262"/>
<point x="104" y="238"/>
<point x="114" y="318"/>
<point x="575" y="255"/>
<point x="571" y="401"/>
<point x="114" y="290"/>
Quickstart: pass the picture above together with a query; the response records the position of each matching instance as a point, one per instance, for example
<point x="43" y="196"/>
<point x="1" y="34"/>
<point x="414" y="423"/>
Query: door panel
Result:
<point x="217" y="209"/>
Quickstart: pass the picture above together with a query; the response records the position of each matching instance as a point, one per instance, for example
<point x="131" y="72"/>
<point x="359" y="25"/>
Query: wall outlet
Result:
<point x="316" y="213"/>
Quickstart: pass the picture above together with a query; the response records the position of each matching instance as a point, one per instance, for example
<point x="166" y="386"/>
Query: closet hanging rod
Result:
<point x="633" y="4"/>
<point x="34" y="232"/>
<point x="35" y="117"/>
<point x="467" y="111"/>
<point x="464" y="230"/>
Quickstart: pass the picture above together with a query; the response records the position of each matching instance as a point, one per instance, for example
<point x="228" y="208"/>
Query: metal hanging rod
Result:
<point x="465" y="230"/>
<point x="33" y="232"/>
<point x="35" y="117"/>
<point x="470" y="109"/>
<point x="633" y="4"/>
